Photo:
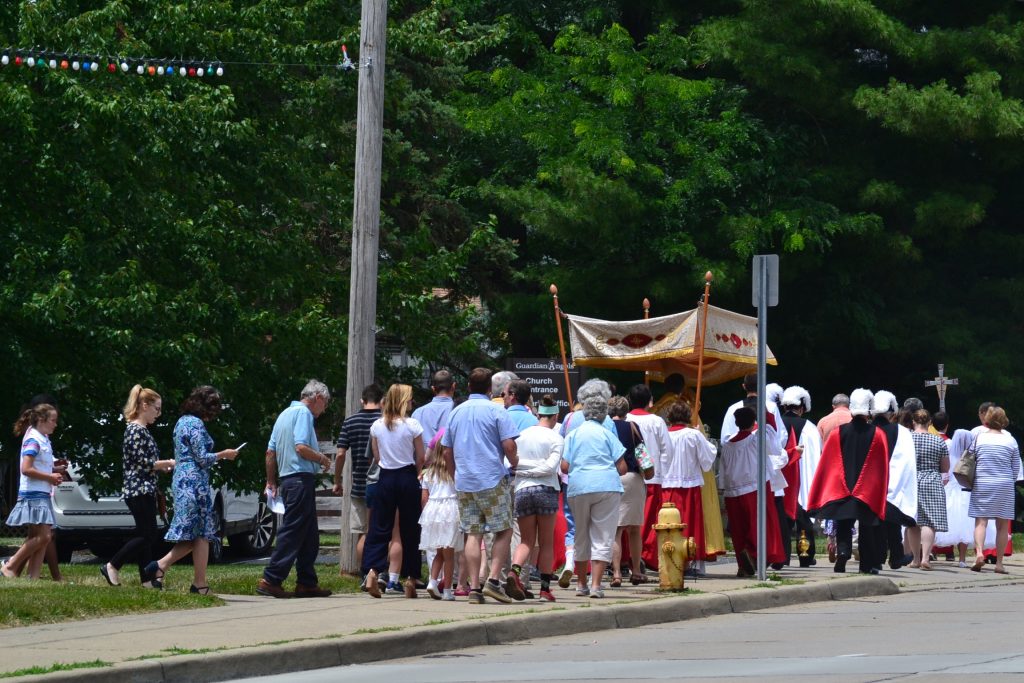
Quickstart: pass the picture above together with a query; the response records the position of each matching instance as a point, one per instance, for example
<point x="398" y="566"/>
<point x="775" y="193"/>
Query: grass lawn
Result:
<point x="85" y="593"/>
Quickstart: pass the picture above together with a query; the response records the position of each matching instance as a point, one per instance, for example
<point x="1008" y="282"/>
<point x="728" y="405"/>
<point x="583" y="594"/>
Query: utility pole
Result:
<point x="362" y="302"/>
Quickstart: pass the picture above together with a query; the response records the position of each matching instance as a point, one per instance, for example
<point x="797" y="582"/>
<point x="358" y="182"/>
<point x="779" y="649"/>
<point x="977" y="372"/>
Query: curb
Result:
<point x="268" y="660"/>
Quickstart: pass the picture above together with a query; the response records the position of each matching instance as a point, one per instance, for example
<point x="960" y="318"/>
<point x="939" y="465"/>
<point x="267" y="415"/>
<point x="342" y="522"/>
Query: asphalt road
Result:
<point x="967" y="634"/>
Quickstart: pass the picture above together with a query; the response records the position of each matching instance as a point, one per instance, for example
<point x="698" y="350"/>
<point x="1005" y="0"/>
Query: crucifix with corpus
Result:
<point x="941" y="383"/>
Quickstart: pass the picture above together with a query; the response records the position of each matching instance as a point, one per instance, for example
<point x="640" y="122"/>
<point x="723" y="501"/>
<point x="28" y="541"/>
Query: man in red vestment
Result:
<point x="850" y="484"/>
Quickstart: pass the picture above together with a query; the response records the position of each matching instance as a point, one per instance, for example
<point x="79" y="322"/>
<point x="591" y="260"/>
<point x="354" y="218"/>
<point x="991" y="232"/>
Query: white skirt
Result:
<point x="961" y="524"/>
<point x="439" y="524"/>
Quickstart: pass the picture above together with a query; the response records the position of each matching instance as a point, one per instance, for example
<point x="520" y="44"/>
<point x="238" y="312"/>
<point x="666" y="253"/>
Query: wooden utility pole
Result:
<point x="362" y="302"/>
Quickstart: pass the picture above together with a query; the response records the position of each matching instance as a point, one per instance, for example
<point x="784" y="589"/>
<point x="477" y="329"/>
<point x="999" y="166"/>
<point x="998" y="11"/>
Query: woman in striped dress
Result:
<point x="932" y="463"/>
<point x="993" y="492"/>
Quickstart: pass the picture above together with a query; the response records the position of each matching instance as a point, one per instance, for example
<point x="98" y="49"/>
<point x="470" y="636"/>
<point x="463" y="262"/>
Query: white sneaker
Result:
<point x="432" y="589"/>
<point x="447" y="595"/>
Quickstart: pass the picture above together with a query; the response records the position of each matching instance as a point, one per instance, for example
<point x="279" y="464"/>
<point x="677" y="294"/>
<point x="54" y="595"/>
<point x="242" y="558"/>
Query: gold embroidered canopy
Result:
<point x="669" y="344"/>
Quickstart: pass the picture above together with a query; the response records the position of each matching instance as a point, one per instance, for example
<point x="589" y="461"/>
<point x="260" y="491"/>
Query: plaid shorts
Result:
<point x="487" y="511"/>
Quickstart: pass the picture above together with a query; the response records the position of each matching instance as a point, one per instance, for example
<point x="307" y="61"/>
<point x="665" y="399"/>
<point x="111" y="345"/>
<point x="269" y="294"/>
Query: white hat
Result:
<point x="796" y="396"/>
<point x="772" y="393"/>
<point x="884" y="402"/>
<point x="860" y="402"/>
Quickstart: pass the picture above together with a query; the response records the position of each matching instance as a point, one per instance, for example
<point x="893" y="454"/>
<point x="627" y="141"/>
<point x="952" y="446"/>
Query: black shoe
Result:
<point x="840" y="567"/>
<point x="873" y="571"/>
<point x="808" y="562"/>
<point x="778" y="565"/>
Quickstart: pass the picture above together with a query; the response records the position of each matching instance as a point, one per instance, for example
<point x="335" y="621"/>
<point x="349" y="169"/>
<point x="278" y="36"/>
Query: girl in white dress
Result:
<point x="439" y="523"/>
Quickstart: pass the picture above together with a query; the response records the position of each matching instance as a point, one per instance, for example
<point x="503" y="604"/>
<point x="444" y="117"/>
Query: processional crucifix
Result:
<point x="940" y="383"/>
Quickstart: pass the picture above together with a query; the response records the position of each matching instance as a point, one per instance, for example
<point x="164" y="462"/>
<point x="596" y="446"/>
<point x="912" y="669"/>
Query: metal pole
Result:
<point x="762" y="454"/>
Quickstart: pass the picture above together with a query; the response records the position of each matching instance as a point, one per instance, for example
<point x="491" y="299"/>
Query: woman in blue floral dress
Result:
<point x="193" y="525"/>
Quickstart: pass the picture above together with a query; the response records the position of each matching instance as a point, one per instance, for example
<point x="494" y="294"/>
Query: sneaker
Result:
<point x="372" y="584"/>
<point x="476" y="598"/>
<point x="514" y="587"/>
<point x="495" y="592"/>
<point x="447" y="595"/>
<point x="962" y="565"/>
<point x="264" y="587"/>
<point x="529" y="595"/>
<point x="546" y="596"/>
<point x="409" y="587"/>
<point x="394" y="588"/>
<point x="462" y="592"/>
<point x="432" y="589"/>
<point x="599" y="593"/>
<point x="302" y="591"/>
<point x="582" y="592"/>
<point x="565" y="578"/>
<point x="362" y="586"/>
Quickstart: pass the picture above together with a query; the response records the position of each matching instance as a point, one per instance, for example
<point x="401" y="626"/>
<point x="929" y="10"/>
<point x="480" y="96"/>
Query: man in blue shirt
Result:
<point x="293" y="461"/>
<point x="517" y="395"/>
<point x="433" y="416"/>
<point x="479" y="438"/>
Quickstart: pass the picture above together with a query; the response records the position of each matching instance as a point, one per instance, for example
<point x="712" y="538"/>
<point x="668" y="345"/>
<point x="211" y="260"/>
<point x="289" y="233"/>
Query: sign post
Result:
<point x="766" y="293"/>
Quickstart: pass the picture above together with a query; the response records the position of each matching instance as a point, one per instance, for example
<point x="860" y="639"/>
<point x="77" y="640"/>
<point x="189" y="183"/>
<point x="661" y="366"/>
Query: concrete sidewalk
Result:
<point x="253" y="635"/>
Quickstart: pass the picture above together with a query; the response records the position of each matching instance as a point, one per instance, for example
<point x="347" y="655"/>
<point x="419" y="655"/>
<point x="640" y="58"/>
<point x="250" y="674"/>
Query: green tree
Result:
<point x="178" y="231"/>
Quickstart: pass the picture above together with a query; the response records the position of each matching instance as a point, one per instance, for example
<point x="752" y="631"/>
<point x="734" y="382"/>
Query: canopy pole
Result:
<point x="561" y="344"/>
<point x="695" y="420"/>
<point x="647" y="315"/>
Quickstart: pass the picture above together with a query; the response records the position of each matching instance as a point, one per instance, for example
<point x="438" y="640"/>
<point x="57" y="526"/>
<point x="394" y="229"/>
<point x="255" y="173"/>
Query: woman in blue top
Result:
<point x="34" y="509"/>
<point x="194" y="524"/>
<point x="593" y="459"/>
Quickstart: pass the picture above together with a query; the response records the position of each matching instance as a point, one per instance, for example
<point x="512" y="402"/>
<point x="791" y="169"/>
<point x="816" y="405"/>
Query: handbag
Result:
<point x="643" y="458"/>
<point x="966" y="466"/>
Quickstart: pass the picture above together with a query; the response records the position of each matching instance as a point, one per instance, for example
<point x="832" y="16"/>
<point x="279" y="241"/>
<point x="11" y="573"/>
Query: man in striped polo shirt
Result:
<point x="355" y="437"/>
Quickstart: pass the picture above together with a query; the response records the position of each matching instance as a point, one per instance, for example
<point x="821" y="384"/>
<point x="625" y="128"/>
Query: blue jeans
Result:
<point x="298" y="537"/>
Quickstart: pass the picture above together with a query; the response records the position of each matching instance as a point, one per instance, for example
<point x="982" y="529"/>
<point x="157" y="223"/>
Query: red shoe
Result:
<point x="546" y="596"/>
<point x="461" y="592"/>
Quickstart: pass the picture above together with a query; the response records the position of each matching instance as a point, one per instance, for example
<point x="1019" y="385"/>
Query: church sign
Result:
<point x="545" y="376"/>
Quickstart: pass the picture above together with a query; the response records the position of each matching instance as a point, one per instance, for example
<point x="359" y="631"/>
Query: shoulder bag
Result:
<point x="966" y="466"/>
<point x="643" y="458"/>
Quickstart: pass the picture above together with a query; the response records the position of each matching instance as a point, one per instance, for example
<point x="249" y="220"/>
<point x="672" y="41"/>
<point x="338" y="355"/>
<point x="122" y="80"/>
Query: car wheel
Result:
<point x="261" y="538"/>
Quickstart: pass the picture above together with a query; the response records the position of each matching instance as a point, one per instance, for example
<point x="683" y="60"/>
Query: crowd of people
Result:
<point x="498" y="493"/>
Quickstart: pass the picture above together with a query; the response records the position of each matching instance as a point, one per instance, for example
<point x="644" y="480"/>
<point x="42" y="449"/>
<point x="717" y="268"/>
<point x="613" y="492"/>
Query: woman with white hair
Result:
<point x="593" y="458"/>
<point x="590" y="388"/>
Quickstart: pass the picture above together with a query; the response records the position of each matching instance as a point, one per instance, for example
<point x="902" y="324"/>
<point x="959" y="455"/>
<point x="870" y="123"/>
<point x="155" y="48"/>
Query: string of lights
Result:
<point x="36" y="58"/>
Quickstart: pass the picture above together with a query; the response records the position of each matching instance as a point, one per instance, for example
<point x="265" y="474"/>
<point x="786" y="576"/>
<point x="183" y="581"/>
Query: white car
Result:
<point x="103" y="525"/>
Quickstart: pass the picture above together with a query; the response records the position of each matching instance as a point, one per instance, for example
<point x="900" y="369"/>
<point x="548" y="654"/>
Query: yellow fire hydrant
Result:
<point x="675" y="550"/>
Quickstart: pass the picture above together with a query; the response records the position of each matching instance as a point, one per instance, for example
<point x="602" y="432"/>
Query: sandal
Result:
<point x="978" y="564"/>
<point x="153" y="571"/>
<point x="637" y="579"/>
<point x="616" y="583"/>
<point x="1000" y="571"/>
<point x="925" y="566"/>
<point x="4" y="570"/>
<point x="201" y="590"/>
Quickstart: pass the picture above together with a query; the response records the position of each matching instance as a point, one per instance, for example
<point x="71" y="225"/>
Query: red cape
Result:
<point x="829" y="483"/>
<point x="791" y="496"/>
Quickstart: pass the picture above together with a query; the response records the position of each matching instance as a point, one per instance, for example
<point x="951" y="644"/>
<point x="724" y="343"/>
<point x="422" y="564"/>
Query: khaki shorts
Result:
<point x="488" y="511"/>
<point x="357" y="522"/>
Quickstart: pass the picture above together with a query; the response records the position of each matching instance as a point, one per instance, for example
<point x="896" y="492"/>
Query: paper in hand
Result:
<point x="275" y="503"/>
